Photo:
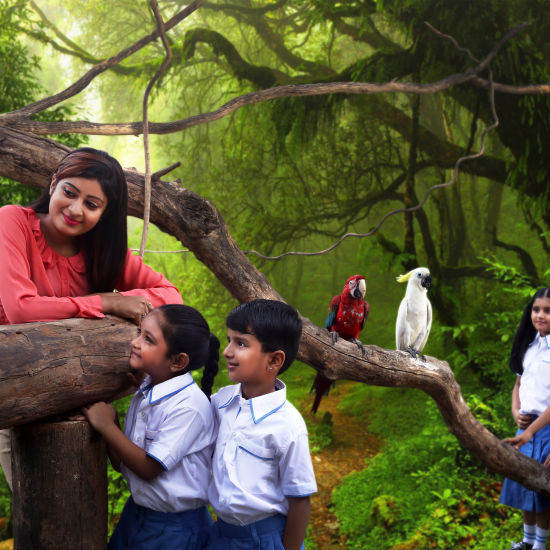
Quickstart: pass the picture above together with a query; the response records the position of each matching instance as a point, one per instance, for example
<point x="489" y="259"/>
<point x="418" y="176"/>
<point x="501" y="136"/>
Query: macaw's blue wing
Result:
<point x="332" y="310"/>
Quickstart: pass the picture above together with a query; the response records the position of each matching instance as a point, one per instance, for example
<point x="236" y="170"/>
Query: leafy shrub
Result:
<point x="423" y="490"/>
<point x="320" y="432"/>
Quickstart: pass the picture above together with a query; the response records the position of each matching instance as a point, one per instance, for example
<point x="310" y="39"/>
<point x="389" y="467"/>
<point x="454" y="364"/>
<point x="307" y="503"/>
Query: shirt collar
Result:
<point x="539" y="341"/>
<point x="264" y="405"/>
<point x="155" y="393"/>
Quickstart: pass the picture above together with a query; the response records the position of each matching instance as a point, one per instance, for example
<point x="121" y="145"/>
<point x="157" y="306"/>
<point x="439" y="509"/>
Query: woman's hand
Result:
<point x="134" y="308"/>
<point x="100" y="415"/>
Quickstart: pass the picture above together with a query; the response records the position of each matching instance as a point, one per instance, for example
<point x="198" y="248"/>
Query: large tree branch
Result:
<point x="17" y="118"/>
<point x="528" y="89"/>
<point x="261" y="77"/>
<point x="273" y="39"/>
<point x="83" y="82"/>
<point x="250" y="10"/>
<point x="199" y="226"/>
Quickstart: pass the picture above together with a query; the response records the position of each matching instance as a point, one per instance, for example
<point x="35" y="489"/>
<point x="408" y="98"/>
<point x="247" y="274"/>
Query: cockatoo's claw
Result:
<point x="359" y="345"/>
<point x="334" y="336"/>
<point x="412" y="352"/>
<point x="423" y="357"/>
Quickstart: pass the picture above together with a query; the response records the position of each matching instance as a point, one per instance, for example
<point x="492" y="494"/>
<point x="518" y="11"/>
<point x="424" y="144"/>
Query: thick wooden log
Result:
<point x="52" y="368"/>
<point x="59" y="487"/>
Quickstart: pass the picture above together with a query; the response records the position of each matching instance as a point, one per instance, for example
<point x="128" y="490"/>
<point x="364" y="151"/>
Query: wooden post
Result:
<point x="59" y="487"/>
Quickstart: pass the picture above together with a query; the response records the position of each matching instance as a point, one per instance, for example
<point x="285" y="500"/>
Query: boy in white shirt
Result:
<point x="262" y="470"/>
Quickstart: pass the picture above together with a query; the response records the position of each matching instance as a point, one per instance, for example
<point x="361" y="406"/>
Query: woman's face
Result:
<point x="76" y="205"/>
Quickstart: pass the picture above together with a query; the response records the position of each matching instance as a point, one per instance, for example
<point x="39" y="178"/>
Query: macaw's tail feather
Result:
<point x="321" y="385"/>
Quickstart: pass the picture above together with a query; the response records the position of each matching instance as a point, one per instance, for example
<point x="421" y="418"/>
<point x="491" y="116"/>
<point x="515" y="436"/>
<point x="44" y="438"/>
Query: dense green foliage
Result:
<point x="298" y="173"/>
<point x="454" y="503"/>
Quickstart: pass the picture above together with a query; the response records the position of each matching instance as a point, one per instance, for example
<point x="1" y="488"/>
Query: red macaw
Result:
<point x="347" y="314"/>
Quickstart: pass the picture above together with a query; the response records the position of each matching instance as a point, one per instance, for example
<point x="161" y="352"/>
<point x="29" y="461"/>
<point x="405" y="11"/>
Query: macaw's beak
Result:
<point x="360" y="290"/>
<point x="426" y="281"/>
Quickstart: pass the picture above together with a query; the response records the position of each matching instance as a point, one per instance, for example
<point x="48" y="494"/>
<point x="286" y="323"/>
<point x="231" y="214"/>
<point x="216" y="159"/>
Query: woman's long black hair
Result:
<point x="525" y="333"/>
<point x="106" y="244"/>
<point x="185" y="330"/>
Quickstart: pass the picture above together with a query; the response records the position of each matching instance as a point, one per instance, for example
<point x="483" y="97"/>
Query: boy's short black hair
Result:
<point x="276" y="325"/>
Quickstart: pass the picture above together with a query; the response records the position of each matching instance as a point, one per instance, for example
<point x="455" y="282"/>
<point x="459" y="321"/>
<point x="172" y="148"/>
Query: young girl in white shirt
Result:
<point x="166" y="448"/>
<point x="530" y="360"/>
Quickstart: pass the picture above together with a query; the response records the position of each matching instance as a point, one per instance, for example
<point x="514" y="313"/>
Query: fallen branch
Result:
<point x="200" y="227"/>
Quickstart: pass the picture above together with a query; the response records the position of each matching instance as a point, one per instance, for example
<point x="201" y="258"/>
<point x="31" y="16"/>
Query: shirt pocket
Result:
<point x="150" y="437"/>
<point x="256" y="467"/>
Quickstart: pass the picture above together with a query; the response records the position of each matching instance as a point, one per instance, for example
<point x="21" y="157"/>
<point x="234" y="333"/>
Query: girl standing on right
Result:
<point x="530" y="360"/>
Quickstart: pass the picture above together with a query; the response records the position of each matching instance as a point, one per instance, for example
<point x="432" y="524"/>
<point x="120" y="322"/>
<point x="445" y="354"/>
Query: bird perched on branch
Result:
<point x="414" y="318"/>
<point x="347" y="313"/>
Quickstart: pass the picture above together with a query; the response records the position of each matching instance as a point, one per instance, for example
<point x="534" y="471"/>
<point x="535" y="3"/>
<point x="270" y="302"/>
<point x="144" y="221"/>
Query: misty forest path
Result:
<point x="351" y="445"/>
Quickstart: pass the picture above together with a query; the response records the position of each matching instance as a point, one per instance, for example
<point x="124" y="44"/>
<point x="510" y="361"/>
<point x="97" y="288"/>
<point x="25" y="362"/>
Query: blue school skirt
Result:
<point x="516" y="495"/>
<point x="266" y="534"/>
<point x="140" y="528"/>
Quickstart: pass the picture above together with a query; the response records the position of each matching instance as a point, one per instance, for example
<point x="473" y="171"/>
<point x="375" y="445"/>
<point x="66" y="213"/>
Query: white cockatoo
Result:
<point x="414" y="318"/>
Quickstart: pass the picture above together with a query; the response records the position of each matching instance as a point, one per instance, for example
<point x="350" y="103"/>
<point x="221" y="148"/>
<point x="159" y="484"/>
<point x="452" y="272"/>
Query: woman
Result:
<point x="67" y="254"/>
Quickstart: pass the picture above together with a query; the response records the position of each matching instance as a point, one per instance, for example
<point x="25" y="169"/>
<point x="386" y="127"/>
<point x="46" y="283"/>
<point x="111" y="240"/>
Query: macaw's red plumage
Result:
<point x="347" y="314"/>
<point x="348" y="311"/>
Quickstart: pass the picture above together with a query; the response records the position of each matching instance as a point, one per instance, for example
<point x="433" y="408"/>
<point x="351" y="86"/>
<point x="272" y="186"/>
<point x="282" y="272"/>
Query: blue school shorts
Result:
<point x="140" y="528"/>
<point x="266" y="534"/>
<point x="516" y="495"/>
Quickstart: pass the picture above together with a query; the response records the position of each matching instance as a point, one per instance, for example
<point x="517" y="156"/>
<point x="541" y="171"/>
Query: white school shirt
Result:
<point x="261" y="457"/>
<point x="173" y="422"/>
<point x="534" y="389"/>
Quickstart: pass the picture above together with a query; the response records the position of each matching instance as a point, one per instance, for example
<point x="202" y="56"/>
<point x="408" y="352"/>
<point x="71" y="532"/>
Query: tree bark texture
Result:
<point x="51" y="368"/>
<point x="199" y="226"/>
<point x="59" y="487"/>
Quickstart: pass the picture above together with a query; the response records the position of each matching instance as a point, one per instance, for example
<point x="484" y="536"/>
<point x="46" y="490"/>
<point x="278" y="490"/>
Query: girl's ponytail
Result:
<point x="186" y="331"/>
<point x="211" y="366"/>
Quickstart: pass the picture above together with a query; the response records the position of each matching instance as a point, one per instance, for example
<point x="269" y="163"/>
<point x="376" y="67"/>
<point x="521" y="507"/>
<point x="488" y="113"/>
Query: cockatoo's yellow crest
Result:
<point x="404" y="278"/>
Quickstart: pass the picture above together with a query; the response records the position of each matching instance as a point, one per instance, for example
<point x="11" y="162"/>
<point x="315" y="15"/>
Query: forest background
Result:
<point x="296" y="174"/>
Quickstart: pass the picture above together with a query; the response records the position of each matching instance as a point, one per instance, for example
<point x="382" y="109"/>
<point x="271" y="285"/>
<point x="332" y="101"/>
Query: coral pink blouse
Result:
<point x="37" y="284"/>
